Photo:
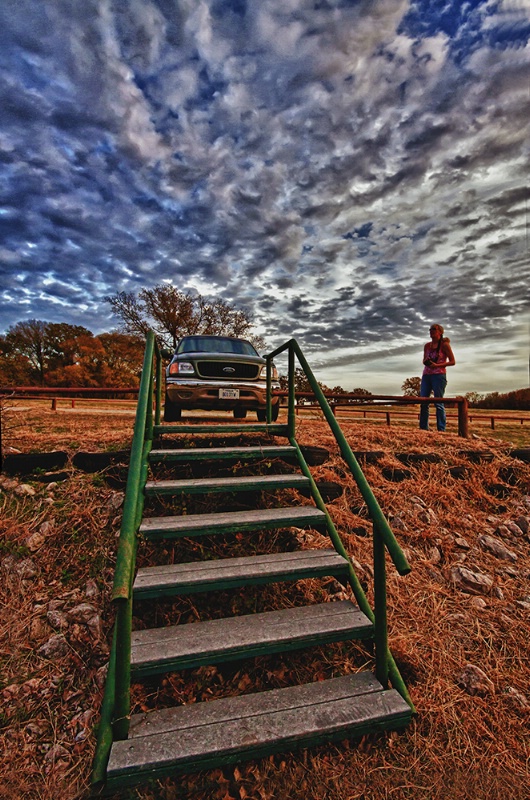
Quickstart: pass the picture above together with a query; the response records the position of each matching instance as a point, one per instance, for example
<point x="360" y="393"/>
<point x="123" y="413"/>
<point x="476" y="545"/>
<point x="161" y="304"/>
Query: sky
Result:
<point x="346" y="171"/>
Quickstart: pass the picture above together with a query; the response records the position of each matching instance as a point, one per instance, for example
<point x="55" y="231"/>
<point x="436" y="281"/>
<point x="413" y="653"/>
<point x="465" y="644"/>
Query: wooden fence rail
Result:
<point x="336" y="401"/>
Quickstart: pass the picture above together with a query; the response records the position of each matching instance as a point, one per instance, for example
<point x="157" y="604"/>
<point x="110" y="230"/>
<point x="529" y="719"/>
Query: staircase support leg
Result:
<point x="380" y="625"/>
<point x="122" y="704"/>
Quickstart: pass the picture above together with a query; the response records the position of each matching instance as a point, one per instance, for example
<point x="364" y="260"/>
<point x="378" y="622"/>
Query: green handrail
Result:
<point x="114" y="721"/>
<point x="383" y="537"/>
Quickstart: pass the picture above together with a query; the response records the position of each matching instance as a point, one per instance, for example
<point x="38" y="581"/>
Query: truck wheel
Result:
<point x="172" y="412"/>
<point x="240" y="413"/>
<point x="262" y="413"/>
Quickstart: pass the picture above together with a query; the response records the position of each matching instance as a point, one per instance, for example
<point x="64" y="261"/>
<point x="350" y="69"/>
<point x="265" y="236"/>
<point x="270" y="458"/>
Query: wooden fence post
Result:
<point x="463" y="417"/>
<point x="54" y="404"/>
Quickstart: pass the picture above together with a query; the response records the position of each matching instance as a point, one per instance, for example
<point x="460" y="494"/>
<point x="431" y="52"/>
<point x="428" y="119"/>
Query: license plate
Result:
<point x="228" y="394"/>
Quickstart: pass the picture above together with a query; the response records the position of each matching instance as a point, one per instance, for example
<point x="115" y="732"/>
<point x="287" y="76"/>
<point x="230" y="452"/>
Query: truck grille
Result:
<point x="214" y="369"/>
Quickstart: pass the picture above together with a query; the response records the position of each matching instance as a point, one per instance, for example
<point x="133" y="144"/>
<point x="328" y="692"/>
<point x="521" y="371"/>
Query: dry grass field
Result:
<point x="57" y="552"/>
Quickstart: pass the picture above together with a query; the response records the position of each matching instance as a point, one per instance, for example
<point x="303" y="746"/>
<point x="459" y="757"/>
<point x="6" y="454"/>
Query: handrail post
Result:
<point x="122" y="691"/>
<point x="291" y="413"/>
<point x="268" y="412"/>
<point x="158" y="393"/>
<point x="380" y="625"/>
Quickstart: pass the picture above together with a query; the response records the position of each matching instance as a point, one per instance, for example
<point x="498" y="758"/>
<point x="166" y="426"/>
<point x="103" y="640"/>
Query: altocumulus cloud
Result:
<point x="345" y="171"/>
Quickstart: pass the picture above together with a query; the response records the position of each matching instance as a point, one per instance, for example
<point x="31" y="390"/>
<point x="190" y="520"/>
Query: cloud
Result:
<point x="344" y="171"/>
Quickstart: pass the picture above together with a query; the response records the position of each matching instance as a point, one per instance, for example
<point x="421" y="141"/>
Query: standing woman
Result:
<point x="437" y="356"/>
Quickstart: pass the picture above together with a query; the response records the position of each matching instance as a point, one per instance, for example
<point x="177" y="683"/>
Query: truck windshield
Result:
<point x="215" y="344"/>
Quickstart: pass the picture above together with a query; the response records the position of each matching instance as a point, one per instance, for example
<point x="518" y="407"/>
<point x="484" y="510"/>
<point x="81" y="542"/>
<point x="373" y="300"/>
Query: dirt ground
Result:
<point x="57" y="552"/>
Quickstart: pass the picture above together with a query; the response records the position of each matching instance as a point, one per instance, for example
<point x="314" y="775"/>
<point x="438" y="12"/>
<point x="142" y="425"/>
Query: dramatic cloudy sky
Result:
<point x="348" y="171"/>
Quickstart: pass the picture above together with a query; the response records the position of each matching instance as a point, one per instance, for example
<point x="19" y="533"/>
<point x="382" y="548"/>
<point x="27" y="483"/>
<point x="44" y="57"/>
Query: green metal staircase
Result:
<point x="132" y="750"/>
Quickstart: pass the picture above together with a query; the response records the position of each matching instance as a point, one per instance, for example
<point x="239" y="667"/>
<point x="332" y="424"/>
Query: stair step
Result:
<point x="231" y="522"/>
<point x="205" y="576"/>
<point x="157" y="650"/>
<point x="188" y="454"/>
<point x="272" y="429"/>
<point x="235" y="484"/>
<point x="233" y="729"/>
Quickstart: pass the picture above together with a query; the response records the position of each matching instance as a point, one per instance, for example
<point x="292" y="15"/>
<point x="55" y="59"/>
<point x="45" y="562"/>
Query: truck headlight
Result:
<point x="263" y="373"/>
<point x="181" y="368"/>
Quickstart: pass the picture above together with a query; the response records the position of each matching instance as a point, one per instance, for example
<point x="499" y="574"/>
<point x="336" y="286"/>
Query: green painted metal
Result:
<point x="383" y="535"/>
<point x="376" y="514"/>
<point x="125" y="563"/>
<point x="115" y="713"/>
<point x="380" y="623"/>
<point x="159" y="384"/>
<point x="133" y="494"/>
<point x="105" y="737"/>
<point x="291" y="412"/>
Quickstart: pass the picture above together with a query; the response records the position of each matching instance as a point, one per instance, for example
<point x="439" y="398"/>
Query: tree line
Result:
<point x="40" y="353"/>
<point x="517" y="400"/>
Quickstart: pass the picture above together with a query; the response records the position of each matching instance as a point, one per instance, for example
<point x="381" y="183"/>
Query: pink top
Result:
<point x="432" y="352"/>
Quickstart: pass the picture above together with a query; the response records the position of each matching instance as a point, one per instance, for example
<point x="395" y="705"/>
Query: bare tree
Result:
<point x="172" y="314"/>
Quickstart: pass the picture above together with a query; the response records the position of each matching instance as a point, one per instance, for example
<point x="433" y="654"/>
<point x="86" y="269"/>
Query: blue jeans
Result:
<point x="435" y="384"/>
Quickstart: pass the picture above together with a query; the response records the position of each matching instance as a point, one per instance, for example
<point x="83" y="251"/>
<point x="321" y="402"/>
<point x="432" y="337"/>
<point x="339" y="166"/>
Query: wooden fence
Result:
<point x="346" y="402"/>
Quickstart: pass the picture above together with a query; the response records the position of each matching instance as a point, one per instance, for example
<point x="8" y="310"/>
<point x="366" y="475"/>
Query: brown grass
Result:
<point x="458" y="747"/>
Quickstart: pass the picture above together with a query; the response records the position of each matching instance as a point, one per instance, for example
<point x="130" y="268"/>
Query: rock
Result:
<point x="101" y="676"/>
<point x="434" y="555"/>
<point x="523" y="604"/>
<point x="57" y="758"/>
<point x="91" y="588"/>
<point x="514" y="528"/>
<point x="418" y="501"/>
<point x="8" y="484"/>
<point x="398" y="523"/>
<point x="427" y="516"/>
<point x="478" y="602"/>
<point x="523" y="523"/>
<point x="463" y="543"/>
<point x="474" y="681"/>
<point x="55" y="647"/>
<point x="38" y="629"/>
<point x="86" y="614"/>
<point x="57" y="619"/>
<point x="496" y="548"/>
<point x="471" y="582"/>
<point x="511" y="571"/>
<point x="26" y="569"/>
<point x="519" y="700"/>
<point x="115" y="501"/>
<point x="35" y="541"/>
<point x="504" y="531"/>
<point x="498" y="593"/>
<point x="25" y="490"/>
